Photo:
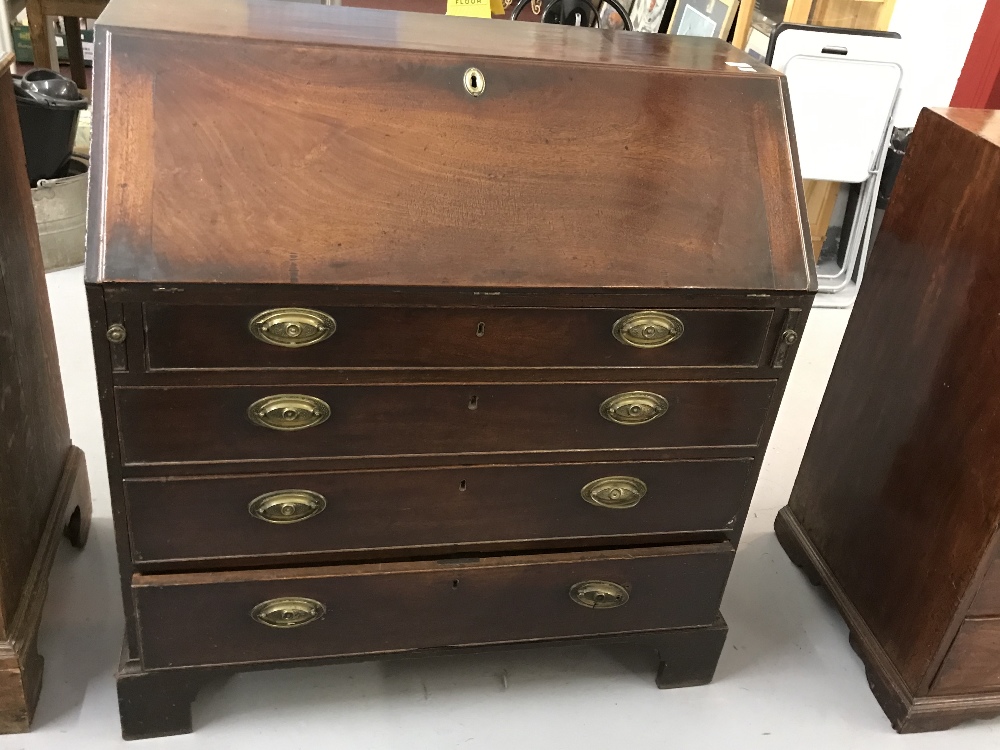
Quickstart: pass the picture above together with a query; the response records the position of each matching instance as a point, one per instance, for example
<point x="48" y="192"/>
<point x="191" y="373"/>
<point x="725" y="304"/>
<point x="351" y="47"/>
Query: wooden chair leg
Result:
<point x="39" y="27"/>
<point x="74" y="48"/>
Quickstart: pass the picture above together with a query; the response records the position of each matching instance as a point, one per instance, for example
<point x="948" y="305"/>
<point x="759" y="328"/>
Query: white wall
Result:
<point x="937" y="35"/>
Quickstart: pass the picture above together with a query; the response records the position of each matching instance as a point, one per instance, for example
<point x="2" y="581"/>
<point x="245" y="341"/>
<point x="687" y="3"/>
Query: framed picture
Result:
<point x="608" y="17"/>
<point x="647" y="15"/>
<point x="703" y="18"/>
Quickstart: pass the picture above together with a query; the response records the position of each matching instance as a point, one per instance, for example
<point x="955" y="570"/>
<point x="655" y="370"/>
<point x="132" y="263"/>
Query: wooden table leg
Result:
<point x="39" y="27"/>
<point x="74" y="48"/>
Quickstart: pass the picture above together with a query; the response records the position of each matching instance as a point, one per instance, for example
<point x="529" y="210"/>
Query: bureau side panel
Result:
<point x="106" y="356"/>
<point x="897" y="489"/>
<point x="34" y="431"/>
<point x="987" y="601"/>
<point x="973" y="661"/>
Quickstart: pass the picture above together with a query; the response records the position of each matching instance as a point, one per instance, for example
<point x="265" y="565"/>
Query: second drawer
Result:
<point x="461" y="508"/>
<point x="181" y="424"/>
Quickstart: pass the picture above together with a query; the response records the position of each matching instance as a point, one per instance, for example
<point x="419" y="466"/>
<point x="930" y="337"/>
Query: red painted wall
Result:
<point x="979" y="84"/>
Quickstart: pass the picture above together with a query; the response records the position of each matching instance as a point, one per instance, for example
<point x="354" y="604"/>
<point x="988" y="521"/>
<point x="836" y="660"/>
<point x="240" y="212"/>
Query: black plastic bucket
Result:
<point x="48" y="107"/>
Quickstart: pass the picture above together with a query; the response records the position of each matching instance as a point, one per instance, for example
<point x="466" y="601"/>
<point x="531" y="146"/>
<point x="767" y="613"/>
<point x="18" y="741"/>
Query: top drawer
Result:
<point x="182" y="337"/>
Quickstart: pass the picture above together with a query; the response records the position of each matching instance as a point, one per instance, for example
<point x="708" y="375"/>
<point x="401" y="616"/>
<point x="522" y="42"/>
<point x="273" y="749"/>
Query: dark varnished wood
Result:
<point x="364" y="24"/>
<point x="373" y="608"/>
<point x="217" y="337"/>
<point x="43" y="483"/>
<point x="690" y="657"/>
<point x="378" y="191"/>
<point x="897" y="489"/>
<point x="329" y="179"/>
<point x="908" y="713"/>
<point x="681" y="654"/>
<point x="390" y="513"/>
<point x="987" y="601"/>
<point x="433" y="419"/>
<point x="972" y="664"/>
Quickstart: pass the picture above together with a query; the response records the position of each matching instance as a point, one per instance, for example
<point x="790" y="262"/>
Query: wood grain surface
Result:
<point x="34" y="431"/>
<point x="987" y="601"/>
<point x="40" y="472"/>
<point x="394" y="607"/>
<point x="973" y="661"/>
<point x="500" y="191"/>
<point x="390" y="514"/>
<point x="897" y="487"/>
<point x="175" y="425"/>
<point x="218" y="337"/>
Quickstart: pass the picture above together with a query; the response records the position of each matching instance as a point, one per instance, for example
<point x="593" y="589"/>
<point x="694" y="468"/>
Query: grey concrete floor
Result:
<point x="787" y="678"/>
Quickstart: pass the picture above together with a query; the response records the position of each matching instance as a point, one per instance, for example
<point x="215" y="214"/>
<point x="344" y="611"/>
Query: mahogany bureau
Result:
<point x="422" y="333"/>
<point x="895" y="509"/>
<point x="44" y="491"/>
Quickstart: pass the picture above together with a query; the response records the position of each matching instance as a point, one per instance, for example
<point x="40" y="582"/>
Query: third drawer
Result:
<point x="354" y="514"/>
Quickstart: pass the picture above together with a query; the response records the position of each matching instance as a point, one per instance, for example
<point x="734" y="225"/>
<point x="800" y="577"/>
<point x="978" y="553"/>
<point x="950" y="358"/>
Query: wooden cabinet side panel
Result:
<point x="972" y="664"/>
<point x="898" y="485"/>
<point x="987" y="601"/>
<point x="34" y="430"/>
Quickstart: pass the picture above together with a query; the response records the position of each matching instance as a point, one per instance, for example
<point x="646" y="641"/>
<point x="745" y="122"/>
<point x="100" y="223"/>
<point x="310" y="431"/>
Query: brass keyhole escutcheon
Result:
<point x="598" y="594"/>
<point x="475" y="81"/>
<point x="287" y="506"/>
<point x="288" y="612"/>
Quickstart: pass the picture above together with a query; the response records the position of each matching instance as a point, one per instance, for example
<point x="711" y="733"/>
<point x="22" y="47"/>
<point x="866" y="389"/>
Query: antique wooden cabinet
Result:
<point x="44" y="490"/>
<point x="395" y="356"/>
<point x="896" y="509"/>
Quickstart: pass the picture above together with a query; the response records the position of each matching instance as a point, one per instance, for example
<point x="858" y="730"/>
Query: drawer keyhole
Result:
<point x="473" y="403"/>
<point x="474" y="81"/>
<point x="481" y="330"/>
<point x="461" y="486"/>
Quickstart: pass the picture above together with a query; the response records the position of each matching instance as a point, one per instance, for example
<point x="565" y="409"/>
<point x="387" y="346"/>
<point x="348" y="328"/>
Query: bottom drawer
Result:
<point x="273" y="615"/>
<point x="972" y="664"/>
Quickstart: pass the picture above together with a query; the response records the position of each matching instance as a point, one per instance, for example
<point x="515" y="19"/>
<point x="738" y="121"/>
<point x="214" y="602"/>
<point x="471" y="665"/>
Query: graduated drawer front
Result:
<point x="179" y="424"/>
<point x="404" y="509"/>
<point x="204" y="336"/>
<point x="205" y="618"/>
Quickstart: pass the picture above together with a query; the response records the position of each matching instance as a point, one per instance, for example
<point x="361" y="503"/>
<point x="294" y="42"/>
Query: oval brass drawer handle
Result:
<point x="288" y="612"/>
<point x="648" y="329"/>
<point x="598" y="594"/>
<point x="634" y="407"/>
<point x="614" y="492"/>
<point x="288" y="411"/>
<point x="292" y="326"/>
<point x="287" y="506"/>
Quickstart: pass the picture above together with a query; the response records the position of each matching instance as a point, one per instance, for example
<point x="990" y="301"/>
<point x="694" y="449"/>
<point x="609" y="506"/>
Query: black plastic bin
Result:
<point x="48" y="107"/>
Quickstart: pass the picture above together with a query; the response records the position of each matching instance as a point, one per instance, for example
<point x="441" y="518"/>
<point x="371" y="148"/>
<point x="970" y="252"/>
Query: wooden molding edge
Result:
<point x="908" y="714"/>
<point x="20" y="663"/>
